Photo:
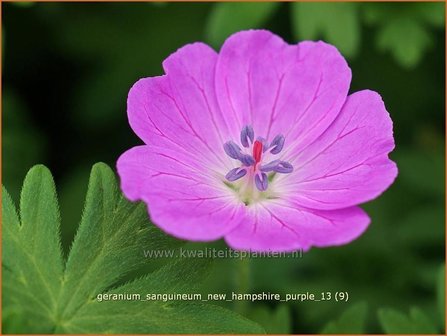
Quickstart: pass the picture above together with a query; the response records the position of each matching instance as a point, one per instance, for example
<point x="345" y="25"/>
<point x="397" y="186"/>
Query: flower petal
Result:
<point x="179" y="110"/>
<point x="281" y="226"/>
<point x="182" y="200"/>
<point x="294" y="90"/>
<point x="349" y="163"/>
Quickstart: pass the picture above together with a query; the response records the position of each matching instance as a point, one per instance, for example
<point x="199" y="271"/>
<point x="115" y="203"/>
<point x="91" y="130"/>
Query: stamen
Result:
<point x="284" y="167"/>
<point x="261" y="181"/>
<point x="277" y="144"/>
<point x="247" y="160"/>
<point x="247" y="133"/>
<point x="235" y="174"/>
<point x="269" y="166"/>
<point x="232" y="150"/>
<point x="278" y="166"/>
<point x="253" y="156"/>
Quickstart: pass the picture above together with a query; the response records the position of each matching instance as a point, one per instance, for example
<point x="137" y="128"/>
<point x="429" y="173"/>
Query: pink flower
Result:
<point x="259" y="144"/>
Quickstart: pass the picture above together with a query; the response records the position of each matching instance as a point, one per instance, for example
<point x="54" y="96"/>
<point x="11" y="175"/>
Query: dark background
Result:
<point x="67" y="69"/>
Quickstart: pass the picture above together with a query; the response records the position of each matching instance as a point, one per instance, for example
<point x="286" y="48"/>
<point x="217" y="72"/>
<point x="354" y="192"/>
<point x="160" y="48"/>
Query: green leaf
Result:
<point x="336" y="23"/>
<point x="13" y="322"/>
<point x="32" y="255"/>
<point x="395" y="322"/>
<point x="161" y="317"/>
<point x="407" y="39"/>
<point x="440" y="293"/>
<point x="49" y="296"/>
<point x="275" y="321"/>
<point x="352" y="321"/>
<point x="227" y="18"/>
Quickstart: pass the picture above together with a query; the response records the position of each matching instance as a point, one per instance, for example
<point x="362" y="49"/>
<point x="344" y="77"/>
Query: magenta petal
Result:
<point x="179" y="110"/>
<point x="295" y="90"/>
<point x="281" y="226"/>
<point x="182" y="200"/>
<point x="191" y="72"/>
<point x="349" y="163"/>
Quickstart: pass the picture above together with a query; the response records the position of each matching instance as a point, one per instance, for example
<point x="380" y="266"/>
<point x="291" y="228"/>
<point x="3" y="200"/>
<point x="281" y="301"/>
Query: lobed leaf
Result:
<point x="147" y="316"/>
<point x="32" y="258"/>
<point x="113" y="233"/>
<point x="405" y="32"/>
<point x="406" y="39"/>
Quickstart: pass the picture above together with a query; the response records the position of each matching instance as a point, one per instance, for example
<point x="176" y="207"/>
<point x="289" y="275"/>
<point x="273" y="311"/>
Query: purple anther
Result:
<point x="247" y="160"/>
<point x="277" y="144"/>
<point x="283" y="167"/>
<point x="235" y="174"/>
<point x="261" y="181"/>
<point x="247" y="133"/>
<point x="232" y="150"/>
<point x="271" y="166"/>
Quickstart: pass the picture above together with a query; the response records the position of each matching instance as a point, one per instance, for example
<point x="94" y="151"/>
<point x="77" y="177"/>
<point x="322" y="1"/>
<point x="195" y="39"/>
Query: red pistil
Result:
<point x="257" y="151"/>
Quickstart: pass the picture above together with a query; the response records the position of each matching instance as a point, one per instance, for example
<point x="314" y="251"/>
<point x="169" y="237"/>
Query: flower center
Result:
<point x="251" y="160"/>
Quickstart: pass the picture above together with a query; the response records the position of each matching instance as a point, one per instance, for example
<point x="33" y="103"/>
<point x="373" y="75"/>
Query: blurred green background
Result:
<point x="67" y="69"/>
